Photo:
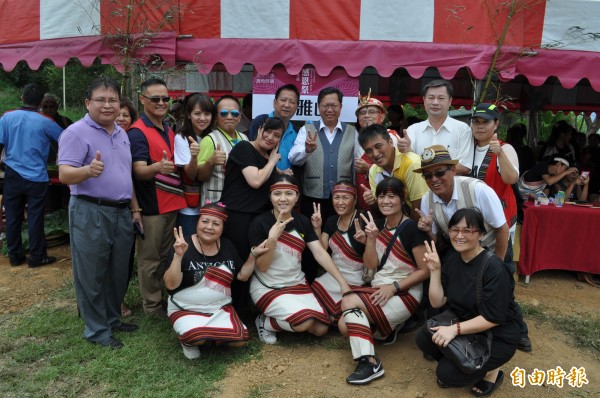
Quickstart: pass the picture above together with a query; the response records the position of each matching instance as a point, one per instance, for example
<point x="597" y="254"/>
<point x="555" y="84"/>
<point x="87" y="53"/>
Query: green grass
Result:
<point x="43" y="353"/>
<point x="583" y="328"/>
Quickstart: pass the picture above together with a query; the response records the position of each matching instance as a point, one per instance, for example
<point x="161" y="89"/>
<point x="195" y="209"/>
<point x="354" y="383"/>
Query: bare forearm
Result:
<point x="145" y="172"/>
<point x="509" y="174"/>
<point x="370" y="255"/>
<point x="173" y="276"/>
<point x="263" y="262"/>
<point x="71" y="175"/>
<point x="205" y="170"/>
<point x="436" y="291"/>
<point x="191" y="169"/>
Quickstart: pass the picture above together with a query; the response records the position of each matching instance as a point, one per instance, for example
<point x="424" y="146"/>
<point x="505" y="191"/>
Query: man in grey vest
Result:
<point x="447" y="194"/>
<point x="327" y="150"/>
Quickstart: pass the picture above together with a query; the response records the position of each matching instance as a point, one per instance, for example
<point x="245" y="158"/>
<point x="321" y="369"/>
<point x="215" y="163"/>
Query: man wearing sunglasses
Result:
<point x="215" y="147"/>
<point x="449" y="192"/>
<point x="158" y="189"/>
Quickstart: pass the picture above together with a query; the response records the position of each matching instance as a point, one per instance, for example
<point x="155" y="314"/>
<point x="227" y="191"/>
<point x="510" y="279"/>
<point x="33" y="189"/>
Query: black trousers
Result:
<point x="19" y="192"/>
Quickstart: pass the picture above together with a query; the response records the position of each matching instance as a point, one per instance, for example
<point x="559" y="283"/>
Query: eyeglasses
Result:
<point x="363" y="112"/>
<point x="102" y="101"/>
<point x="157" y="100"/>
<point x="225" y="113"/>
<point x="438" y="174"/>
<point x="467" y="232"/>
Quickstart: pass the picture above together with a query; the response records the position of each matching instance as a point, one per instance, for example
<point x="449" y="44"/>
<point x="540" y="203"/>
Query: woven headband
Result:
<point x="280" y="185"/>
<point x="341" y="188"/>
<point x="214" y="213"/>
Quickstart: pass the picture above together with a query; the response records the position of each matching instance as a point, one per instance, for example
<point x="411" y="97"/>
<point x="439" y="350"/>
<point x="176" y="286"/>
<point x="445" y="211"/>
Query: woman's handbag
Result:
<point x="470" y="352"/>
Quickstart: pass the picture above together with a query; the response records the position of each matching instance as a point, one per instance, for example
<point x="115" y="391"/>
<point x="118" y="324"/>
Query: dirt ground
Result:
<point x="316" y="371"/>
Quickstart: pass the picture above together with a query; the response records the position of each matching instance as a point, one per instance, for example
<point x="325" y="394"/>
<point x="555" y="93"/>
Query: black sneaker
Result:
<point x="366" y="371"/>
<point x="111" y="342"/>
<point x="414" y="322"/>
<point x="125" y="327"/>
<point x="17" y="260"/>
<point x="42" y="262"/>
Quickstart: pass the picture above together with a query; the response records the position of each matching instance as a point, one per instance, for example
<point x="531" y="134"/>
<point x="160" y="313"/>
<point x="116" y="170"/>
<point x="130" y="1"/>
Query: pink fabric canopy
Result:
<point x="545" y="39"/>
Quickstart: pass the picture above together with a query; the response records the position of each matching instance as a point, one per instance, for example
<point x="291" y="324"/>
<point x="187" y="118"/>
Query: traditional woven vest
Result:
<point x="465" y="187"/>
<point x="213" y="187"/>
<point x="169" y="195"/>
<point x="491" y="176"/>
<point x="329" y="163"/>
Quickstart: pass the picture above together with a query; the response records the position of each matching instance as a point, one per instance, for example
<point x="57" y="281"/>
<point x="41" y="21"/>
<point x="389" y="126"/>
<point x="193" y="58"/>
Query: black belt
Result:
<point x="105" y="202"/>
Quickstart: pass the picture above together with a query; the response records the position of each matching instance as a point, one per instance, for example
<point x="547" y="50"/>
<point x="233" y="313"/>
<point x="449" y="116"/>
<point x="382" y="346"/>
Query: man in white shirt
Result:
<point x="440" y="128"/>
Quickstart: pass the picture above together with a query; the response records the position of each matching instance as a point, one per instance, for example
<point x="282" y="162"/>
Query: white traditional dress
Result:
<point x="281" y="293"/>
<point x="200" y="308"/>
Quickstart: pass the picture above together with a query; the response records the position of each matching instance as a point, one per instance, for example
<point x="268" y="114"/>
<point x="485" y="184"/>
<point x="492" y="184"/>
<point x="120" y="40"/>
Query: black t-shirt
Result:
<point x="331" y="226"/>
<point x="260" y="226"/>
<point x="536" y="172"/>
<point x="194" y="264"/>
<point x="410" y="235"/>
<point x="237" y="194"/>
<point x="459" y="280"/>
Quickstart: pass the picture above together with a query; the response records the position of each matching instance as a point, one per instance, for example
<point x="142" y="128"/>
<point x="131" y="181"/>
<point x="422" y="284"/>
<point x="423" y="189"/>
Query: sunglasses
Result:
<point x="157" y="100"/>
<point x="233" y="113"/>
<point x="438" y="174"/>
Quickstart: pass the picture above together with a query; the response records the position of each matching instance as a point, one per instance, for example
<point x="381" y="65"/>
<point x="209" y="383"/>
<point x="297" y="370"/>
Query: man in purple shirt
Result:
<point x="95" y="161"/>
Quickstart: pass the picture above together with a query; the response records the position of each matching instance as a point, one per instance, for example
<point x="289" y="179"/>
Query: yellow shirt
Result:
<point x="404" y="166"/>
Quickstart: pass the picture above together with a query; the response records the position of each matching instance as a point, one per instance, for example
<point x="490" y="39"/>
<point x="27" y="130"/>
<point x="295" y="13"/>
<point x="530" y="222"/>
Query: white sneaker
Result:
<point x="191" y="352"/>
<point x="264" y="335"/>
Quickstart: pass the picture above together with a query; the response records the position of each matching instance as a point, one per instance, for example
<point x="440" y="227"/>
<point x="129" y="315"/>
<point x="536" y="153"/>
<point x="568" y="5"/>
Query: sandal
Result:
<point x="125" y="311"/>
<point x="486" y="388"/>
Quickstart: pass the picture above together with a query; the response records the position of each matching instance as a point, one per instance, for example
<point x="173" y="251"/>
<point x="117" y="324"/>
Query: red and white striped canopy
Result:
<point x="546" y="38"/>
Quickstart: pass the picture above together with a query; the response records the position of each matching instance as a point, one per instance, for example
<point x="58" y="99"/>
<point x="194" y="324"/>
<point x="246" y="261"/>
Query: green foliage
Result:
<point x="10" y="97"/>
<point x="77" y="78"/>
<point x="50" y="78"/>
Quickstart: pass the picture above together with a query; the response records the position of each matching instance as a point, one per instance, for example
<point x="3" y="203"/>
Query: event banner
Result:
<point x="309" y="84"/>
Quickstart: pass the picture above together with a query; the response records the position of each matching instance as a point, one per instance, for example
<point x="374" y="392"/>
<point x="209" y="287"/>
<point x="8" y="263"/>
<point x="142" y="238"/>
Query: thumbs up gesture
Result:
<point x="310" y="145"/>
<point x="495" y="146"/>
<point x="96" y="166"/>
<point x="194" y="147"/>
<point x="368" y="196"/>
<point x="165" y="165"/>
<point x="219" y="157"/>
<point x="404" y="143"/>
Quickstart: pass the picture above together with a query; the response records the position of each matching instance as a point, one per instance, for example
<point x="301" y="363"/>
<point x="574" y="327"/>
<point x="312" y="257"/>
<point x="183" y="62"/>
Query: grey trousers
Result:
<point x="101" y="239"/>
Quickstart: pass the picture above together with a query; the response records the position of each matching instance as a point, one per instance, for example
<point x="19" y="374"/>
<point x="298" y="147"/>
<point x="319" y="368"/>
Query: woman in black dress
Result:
<point x="453" y="284"/>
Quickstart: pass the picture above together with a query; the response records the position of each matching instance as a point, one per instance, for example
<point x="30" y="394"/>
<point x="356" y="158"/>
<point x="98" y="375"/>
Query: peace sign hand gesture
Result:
<point x="360" y="235"/>
<point x="425" y="221"/>
<point x="180" y="246"/>
<point x="278" y="228"/>
<point x="431" y="257"/>
<point x="315" y="219"/>
<point x="274" y="156"/>
<point x="371" y="229"/>
<point x="310" y="145"/>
